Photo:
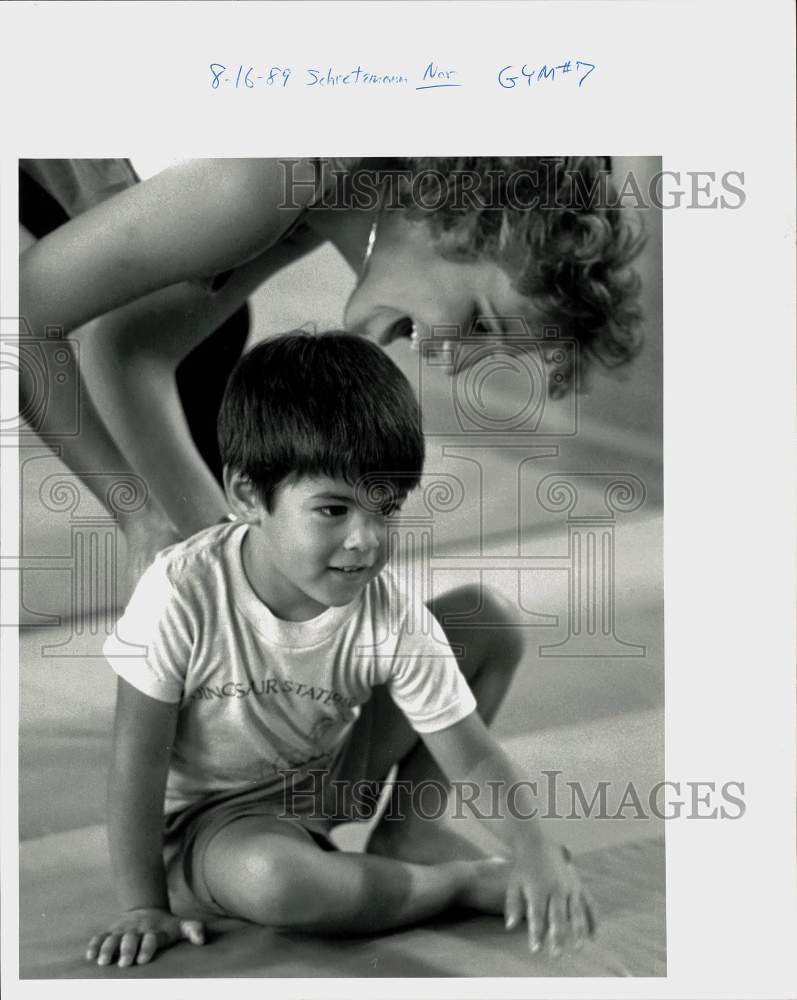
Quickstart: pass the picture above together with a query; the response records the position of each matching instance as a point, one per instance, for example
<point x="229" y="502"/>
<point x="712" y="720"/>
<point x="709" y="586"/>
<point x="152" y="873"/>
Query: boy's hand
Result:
<point x="545" y="888"/>
<point x="138" y="934"/>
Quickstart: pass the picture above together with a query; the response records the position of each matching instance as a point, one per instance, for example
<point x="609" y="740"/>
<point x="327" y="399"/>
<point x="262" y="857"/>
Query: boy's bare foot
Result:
<point x="484" y="884"/>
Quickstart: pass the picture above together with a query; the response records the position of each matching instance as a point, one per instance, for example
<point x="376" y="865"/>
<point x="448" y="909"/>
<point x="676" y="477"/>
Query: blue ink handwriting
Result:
<point x="434" y="77"/>
<point x="248" y="77"/>
<point x="241" y="77"/>
<point x="318" y="78"/>
<point x="510" y="76"/>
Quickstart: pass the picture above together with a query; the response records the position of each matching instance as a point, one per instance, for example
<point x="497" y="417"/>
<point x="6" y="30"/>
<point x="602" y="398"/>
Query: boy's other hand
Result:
<point x="544" y="887"/>
<point x="139" y="934"/>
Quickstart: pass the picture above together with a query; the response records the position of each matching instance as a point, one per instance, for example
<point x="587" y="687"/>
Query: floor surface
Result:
<point x="593" y="720"/>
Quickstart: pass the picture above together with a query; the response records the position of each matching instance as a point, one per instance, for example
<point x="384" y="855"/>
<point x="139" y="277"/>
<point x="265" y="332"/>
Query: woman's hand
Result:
<point x="545" y="888"/>
<point x="139" y="934"/>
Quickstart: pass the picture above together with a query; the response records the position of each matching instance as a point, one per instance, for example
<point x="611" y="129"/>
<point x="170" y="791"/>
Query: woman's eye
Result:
<point x="334" y="510"/>
<point x="400" y="330"/>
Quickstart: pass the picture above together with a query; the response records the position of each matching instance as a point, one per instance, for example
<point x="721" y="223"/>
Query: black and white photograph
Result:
<point x="359" y="501"/>
<point x="349" y="535"/>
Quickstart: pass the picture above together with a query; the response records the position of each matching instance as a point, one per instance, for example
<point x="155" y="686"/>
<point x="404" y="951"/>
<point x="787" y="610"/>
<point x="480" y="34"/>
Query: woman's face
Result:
<point x="407" y="283"/>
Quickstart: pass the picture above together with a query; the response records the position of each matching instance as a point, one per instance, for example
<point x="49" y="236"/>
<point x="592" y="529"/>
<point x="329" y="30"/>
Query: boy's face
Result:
<point x="317" y="548"/>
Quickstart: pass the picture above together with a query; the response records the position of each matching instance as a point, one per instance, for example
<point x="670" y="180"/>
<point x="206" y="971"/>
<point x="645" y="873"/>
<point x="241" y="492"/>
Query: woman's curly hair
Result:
<point x="554" y="225"/>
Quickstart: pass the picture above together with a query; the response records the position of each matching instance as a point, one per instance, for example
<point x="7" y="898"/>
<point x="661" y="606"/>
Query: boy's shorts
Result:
<point x="363" y="758"/>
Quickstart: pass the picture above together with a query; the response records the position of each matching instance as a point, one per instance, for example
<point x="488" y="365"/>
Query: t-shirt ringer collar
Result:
<point x="283" y="633"/>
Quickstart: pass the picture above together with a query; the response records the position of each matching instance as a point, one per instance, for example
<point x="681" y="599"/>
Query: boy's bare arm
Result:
<point x="468" y="751"/>
<point x="544" y="888"/>
<point x="143" y="733"/>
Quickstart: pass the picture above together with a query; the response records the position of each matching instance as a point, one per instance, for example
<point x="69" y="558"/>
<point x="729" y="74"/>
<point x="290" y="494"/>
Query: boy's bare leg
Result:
<point x="258" y="871"/>
<point x="489" y="659"/>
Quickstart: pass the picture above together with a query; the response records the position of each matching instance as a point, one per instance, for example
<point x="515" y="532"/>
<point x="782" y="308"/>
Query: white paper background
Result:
<point x="707" y="87"/>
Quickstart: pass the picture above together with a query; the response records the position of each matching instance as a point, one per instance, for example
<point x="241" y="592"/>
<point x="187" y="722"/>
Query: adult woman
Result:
<point x="435" y="243"/>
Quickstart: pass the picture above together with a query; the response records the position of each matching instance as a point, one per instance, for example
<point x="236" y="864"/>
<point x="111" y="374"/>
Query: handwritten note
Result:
<point x="432" y="76"/>
<point x="528" y="75"/>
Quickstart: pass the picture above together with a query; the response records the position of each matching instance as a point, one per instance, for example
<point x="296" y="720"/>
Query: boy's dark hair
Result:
<point x="331" y="404"/>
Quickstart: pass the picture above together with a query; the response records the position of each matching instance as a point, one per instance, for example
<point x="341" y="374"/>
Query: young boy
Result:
<point x="278" y="652"/>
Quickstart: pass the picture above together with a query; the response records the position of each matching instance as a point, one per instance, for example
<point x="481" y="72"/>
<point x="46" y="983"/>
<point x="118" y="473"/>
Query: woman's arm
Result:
<point x="128" y="362"/>
<point x="193" y="220"/>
